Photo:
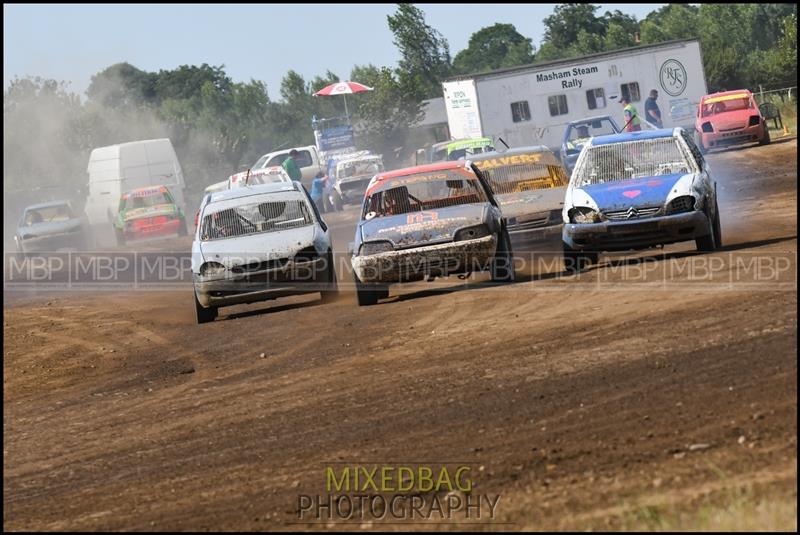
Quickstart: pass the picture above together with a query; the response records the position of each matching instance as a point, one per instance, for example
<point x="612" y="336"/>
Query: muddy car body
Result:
<point x="529" y="183"/>
<point x="148" y="213"/>
<point x="48" y="227"/>
<point x="259" y="243"/>
<point x="351" y="177"/>
<point x="428" y="221"/>
<point x="638" y="190"/>
<point x="729" y="118"/>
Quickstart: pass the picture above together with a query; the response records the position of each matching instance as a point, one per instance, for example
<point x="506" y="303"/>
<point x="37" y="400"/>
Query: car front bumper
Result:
<point x="748" y="134"/>
<point x="292" y="278"/>
<point x="637" y="234"/>
<point x="418" y="263"/>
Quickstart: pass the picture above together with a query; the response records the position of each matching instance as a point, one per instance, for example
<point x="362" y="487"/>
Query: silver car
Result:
<point x="48" y="227"/>
<point x="258" y="243"/>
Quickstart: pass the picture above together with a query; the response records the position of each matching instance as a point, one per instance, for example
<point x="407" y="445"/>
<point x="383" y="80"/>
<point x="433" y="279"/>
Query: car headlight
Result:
<point x="583" y="214"/>
<point x="375" y="247"/>
<point x="707" y="128"/>
<point x="210" y="269"/>
<point x="754" y="120"/>
<point x="472" y="233"/>
<point x="684" y="203"/>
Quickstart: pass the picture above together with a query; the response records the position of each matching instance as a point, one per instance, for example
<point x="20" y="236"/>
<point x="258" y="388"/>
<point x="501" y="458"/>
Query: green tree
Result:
<point x="122" y="85"/>
<point x="563" y="27"/>
<point x="493" y="47"/>
<point x="673" y="21"/>
<point x="424" y="52"/>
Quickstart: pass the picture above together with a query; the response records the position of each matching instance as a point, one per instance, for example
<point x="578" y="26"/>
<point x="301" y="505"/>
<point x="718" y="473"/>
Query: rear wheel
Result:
<point x="331" y="291"/>
<point x="204" y="315"/>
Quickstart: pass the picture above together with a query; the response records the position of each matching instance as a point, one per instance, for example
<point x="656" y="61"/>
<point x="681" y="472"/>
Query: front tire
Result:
<point x="502" y="268"/>
<point x="766" y="139"/>
<point x="368" y="294"/>
<point x="713" y="240"/>
<point x="575" y="261"/>
<point x="331" y="291"/>
<point x="204" y="315"/>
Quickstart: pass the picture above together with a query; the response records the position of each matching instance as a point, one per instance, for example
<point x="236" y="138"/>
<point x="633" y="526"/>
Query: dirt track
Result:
<point x="580" y="396"/>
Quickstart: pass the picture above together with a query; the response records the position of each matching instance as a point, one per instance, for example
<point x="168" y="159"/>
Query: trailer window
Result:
<point x="596" y="98"/>
<point x="630" y="91"/>
<point x="558" y="105"/>
<point x="520" y="111"/>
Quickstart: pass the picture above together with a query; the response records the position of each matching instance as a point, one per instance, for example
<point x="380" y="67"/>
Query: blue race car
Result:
<point x="638" y="190"/>
<point x="578" y="133"/>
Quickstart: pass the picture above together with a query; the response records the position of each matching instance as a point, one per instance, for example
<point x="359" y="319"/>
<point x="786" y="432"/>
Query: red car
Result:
<point x="729" y="118"/>
<point x="149" y="212"/>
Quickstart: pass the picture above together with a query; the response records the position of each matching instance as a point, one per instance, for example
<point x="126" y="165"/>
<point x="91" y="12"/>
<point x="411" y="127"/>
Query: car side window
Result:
<point x="276" y="161"/>
<point x="303" y="158"/>
<point x="698" y="156"/>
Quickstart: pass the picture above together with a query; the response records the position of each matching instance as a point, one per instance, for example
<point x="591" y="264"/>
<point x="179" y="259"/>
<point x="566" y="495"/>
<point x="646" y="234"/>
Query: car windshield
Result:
<point x="632" y="159"/>
<point x="583" y="131"/>
<point x="264" y="215"/>
<point x="429" y="191"/>
<point x="350" y="169"/>
<point x="715" y="107"/>
<point x="48" y="214"/>
<point x="522" y="172"/>
<point x="146" y="199"/>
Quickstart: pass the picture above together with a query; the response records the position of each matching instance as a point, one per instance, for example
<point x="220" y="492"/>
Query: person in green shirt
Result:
<point x="290" y="166"/>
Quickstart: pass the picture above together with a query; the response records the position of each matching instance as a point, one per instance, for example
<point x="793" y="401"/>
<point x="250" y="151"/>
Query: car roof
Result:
<point x="47" y="205"/>
<point x="258" y="189"/>
<point x="588" y="119"/>
<point x="509" y="152"/>
<point x="427" y="168"/>
<point x="625" y="137"/>
<point x="742" y="92"/>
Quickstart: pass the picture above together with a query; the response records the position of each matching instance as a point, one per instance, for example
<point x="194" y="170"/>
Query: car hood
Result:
<point x="533" y="201"/>
<point x="730" y="120"/>
<point x="648" y="191"/>
<point x="232" y="252"/>
<point x="149" y="211"/>
<point x="421" y="228"/>
<point x="51" y="227"/>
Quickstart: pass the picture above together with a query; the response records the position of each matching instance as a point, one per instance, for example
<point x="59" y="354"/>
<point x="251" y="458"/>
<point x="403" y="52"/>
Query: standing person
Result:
<point x="651" y="112"/>
<point x="632" y="123"/>
<point x="290" y="166"/>
<point x="317" y="190"/>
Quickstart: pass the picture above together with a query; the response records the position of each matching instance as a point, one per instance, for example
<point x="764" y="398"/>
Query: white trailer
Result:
<point x="531" y="105"/>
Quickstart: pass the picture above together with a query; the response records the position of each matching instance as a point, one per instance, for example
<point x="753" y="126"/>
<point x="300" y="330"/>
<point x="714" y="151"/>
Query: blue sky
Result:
<point x="73" y="42"/>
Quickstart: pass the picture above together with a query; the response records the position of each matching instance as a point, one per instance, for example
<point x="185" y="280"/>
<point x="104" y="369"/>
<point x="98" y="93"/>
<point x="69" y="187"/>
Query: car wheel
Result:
<point x="698" y="140"/>
<point x="717" y="227"/>
<point x="336" y="200"/>
<point x="331" y="291"/>
<point x="502" y="268"/>
<point x="368" y="294"/>
<point x="766" y="139"/>
<point x="204" y="315"/>
<point x="575" y="261"/>
<point x="708" y="243"/>
<point x="120" y="237"/>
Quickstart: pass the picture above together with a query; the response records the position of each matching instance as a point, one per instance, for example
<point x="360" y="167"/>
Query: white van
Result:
<point x="117" y="169"/>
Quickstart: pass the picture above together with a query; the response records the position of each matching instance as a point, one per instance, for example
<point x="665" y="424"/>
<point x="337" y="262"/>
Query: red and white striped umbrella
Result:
<point x="342" y="88"/>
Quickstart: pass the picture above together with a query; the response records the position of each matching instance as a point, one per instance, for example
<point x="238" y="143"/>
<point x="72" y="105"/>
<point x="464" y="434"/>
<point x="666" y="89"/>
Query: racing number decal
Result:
<point x="421" y="217"/>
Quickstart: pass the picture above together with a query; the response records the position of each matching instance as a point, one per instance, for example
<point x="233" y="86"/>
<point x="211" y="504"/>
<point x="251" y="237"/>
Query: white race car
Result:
<point x="259" y="243"/>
